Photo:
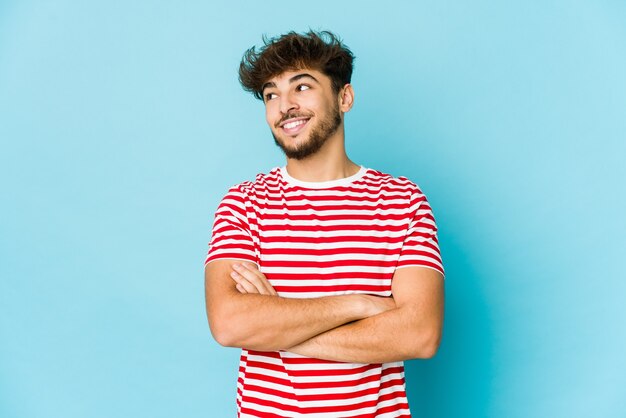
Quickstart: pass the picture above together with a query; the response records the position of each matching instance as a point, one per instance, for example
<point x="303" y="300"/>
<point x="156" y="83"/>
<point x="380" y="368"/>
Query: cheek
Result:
<point x="317" y="104"/>
<point x="270" y="115"/>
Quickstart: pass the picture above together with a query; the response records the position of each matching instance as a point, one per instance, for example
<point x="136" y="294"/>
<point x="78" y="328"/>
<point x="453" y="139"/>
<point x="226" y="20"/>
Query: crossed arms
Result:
<point x="244" y="311"/>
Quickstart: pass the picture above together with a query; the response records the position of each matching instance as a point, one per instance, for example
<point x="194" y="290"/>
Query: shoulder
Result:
<point x="387" y="181"/>
<point x="400" y="187"/>
<point x="248" y="188"/>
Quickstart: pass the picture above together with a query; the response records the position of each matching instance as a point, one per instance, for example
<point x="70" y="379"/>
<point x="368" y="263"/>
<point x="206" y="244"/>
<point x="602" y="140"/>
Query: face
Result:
<point x="302" y="111"/>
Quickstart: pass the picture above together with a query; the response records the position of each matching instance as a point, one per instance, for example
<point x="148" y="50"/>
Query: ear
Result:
<point x="346" y="98"/>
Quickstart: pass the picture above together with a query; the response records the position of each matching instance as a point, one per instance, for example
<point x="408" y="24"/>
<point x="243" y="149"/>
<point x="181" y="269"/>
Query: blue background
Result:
<point x="122" y="124"/>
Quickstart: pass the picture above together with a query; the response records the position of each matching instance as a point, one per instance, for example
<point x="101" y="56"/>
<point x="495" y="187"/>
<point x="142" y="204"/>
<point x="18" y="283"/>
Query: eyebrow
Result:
<point x="291" y="80"/>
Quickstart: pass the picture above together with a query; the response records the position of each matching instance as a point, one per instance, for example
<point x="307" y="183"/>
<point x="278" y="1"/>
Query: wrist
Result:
<point x="368" y="306"/>
<point x="375" y="305"/>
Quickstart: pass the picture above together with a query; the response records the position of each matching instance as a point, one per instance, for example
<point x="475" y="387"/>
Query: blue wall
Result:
<point x="122" y="125"/>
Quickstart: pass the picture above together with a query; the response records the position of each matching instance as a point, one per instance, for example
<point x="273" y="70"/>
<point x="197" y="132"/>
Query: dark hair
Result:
<point x="322" y="51"/>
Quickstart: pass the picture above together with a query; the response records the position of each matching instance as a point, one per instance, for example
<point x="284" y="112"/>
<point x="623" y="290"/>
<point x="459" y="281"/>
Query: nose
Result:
<point x="287" y="103"/>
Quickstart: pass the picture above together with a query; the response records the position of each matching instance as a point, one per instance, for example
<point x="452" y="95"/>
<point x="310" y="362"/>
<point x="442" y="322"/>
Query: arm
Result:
<point x="260" y="320"/>
<point x="411" y="330"/>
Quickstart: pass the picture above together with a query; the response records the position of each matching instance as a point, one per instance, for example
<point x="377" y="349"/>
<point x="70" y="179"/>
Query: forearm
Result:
<point x="268" y="323"/>
<point x="395" y="335"/>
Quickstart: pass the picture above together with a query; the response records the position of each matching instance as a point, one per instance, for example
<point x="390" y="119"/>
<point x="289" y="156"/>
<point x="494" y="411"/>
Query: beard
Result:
<point x="318" y="137"/>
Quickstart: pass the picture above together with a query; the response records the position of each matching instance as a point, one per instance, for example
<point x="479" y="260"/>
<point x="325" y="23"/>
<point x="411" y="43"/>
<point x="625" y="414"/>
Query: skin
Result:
<point x="244" y="310"/>
<point x="410" y="329"/>
<point x="323" y="124"/>
<point x="252" y="316"/>
<point x="291" y="95"/>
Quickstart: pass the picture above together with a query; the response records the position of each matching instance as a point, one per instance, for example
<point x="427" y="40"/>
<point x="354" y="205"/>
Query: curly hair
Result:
<point x="322" y="51"/>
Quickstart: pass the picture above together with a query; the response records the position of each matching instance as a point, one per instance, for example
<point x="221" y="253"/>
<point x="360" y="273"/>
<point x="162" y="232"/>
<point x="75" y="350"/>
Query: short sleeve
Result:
<point x="420" y="246"/>
<point x="232" y="237"/>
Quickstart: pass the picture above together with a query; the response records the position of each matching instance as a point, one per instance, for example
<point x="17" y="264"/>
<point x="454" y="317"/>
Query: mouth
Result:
<point x="294" y="126"/>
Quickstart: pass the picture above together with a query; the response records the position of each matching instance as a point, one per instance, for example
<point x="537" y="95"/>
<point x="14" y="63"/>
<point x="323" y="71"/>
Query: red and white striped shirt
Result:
<point x="321" y="239"/>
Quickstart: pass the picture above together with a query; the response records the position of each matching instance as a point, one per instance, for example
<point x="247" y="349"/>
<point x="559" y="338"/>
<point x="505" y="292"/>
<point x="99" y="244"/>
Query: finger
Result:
<point x="240" y="288"/>
<point x="253" y="268"/>
<point x="258" y="280"/>
<point x="248" y="286"/>
<point x="251" y="284"/>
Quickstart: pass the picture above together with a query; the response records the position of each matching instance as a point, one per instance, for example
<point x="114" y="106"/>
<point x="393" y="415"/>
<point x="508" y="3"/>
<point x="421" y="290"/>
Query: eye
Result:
<point x="270" y="96"/>
<point x="302" y="87"/>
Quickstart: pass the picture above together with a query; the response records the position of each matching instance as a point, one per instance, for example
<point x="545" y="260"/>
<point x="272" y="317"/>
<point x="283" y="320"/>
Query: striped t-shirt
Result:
<point x="321" y="239"/>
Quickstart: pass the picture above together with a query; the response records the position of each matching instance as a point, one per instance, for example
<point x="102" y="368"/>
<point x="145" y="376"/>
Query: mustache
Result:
<point x="292" y="115"/>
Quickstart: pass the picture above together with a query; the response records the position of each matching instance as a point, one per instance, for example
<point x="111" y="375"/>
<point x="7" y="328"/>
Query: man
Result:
<point x="327" y="274"/>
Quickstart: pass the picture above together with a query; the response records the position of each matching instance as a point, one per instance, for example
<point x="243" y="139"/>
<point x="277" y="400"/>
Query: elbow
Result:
<point x="227" y="335"/>
<point x="222" y="330"/>
<point x="236" y="334"/>
<point x="227" y="341"/>
<point x="227" y="328"/>
<point x="428" y="351"/>
<point x="425" y="344"/>
<point x="222" y="336"/>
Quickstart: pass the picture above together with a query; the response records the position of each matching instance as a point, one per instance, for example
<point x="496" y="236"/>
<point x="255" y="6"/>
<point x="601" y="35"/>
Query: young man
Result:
<point x="326" y="273"/>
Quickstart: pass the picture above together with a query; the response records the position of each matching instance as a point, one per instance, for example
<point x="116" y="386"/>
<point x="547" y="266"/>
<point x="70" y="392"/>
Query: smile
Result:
<point x="294" y="126"/>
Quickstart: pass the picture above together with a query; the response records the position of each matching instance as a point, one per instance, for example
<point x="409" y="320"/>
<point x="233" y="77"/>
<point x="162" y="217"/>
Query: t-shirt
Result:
<point x="314" y="239"/>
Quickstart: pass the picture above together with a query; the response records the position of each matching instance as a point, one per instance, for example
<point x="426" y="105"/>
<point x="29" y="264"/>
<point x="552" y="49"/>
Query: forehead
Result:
<point x="292" y="76"/>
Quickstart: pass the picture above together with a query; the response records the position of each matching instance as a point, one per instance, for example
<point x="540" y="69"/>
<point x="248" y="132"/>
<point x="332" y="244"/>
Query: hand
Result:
<point x="379" y="304"/>
<point x="250" y="280"/>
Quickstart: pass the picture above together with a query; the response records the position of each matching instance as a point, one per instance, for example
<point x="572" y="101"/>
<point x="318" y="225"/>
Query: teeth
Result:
<point x="292" y="125"/>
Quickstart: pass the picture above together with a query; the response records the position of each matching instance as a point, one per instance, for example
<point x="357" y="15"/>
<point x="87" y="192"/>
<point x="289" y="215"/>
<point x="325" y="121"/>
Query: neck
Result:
<point x="330" y="163"/>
